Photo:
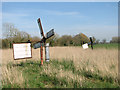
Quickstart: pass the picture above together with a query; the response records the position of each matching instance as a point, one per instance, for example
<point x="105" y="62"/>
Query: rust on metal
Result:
<point x="41" y="52"/>
<point x="40" y="44"/>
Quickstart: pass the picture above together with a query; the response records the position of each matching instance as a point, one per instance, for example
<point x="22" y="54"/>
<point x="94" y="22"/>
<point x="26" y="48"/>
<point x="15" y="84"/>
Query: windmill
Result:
<point x="42" y="43"/>
<point x="85" y="46"/>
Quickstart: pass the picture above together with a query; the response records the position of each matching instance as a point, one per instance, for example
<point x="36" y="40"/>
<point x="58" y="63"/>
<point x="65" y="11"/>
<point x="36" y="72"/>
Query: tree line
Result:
<point x="13" y="35"/>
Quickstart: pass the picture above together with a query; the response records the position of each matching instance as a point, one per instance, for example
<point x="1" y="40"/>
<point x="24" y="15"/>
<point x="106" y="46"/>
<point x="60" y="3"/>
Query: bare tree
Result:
<point x="9" y="32"/>
<point x="13" y="35"/>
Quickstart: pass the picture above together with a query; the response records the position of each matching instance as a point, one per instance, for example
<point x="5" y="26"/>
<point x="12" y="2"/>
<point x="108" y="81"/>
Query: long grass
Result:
<point x="69" y="67"/>
<point x="106" y="46"/>
<point x="55" y="74"/>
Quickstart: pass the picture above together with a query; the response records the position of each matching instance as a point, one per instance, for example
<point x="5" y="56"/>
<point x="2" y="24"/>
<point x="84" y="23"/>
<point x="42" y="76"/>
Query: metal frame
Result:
<point x="43" y="40"/>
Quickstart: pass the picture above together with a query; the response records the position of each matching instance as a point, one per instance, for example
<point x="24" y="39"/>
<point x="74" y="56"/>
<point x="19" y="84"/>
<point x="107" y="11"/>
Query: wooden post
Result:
<point x="41" y="52"/>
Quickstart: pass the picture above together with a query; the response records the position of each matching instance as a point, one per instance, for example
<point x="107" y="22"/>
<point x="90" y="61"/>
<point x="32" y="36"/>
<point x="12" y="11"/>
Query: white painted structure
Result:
<point x="47" y="57"/>
<point x="85" y="46"/>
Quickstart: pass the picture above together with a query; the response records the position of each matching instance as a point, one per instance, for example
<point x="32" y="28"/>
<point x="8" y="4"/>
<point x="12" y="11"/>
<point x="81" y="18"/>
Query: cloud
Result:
<point x="52" y="12"/>
<point x="61" y="13"/>
<point x="14" y="15"/>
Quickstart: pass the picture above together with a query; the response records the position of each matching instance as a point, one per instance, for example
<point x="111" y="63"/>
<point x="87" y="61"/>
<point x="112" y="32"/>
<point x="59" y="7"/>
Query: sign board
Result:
<point x="85" y="46"/>
<point x="22" y="50"/>
<point x="50" y="33"/>
<point x="37" y="45"/>
<point x="40" y="26"/>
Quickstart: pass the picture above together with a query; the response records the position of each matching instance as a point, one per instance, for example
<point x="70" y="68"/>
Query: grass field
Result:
<point x="69" y="67"/>
<point x="107" y="46"/>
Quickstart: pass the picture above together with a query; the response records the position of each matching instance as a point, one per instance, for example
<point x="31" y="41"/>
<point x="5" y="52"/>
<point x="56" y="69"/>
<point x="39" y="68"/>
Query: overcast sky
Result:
<point x="99" y="19"/>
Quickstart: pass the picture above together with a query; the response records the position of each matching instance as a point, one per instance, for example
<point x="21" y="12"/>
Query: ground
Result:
<point x="69" y="67"/>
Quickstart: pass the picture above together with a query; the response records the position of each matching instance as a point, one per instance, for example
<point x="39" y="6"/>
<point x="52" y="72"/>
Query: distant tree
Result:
<point x="35" y="39"/>
<point x="13" y="35"/>
<point x="104" y="41"/>
<point x="9" y="32"/>
<point x="5" y="43"/>
<point x="0" y="43"/>
<point x="65" y="40"/>
<point x="53" y="41"/>
<point x="115" y="40"/>
<point x="118" y="39"/>
<point x="79" y="39"/>
<point x="94" y="39"/>
<point x="97" y="41"/>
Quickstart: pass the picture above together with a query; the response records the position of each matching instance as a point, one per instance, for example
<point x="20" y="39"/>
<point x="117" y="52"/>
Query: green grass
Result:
<point x="34" y="79"/>
<point x="107" y="46"/>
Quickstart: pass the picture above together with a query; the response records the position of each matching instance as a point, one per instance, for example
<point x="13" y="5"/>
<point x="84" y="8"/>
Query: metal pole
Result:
<point x="41" y="52"/>
<point x="47" y="52"/>
<point x="91" y="42"/>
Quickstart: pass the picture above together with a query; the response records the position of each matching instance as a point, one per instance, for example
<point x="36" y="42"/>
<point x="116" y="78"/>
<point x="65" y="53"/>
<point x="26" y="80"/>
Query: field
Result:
<point x="69" y="67"/>
<point x="107" y="46"/>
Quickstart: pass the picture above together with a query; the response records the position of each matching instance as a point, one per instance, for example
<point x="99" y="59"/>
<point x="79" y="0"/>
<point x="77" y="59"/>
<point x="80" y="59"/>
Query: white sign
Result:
<point x="85" y="46"/>
<point x="22" y="50"/>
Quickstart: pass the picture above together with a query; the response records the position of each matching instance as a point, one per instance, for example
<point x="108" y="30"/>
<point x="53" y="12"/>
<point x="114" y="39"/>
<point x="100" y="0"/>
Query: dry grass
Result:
<point x="102" y="61"/>
<point x="59" y="73"/>
<point x="11" y="75"/>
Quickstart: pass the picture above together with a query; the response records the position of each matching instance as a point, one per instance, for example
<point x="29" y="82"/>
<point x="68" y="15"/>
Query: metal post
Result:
<point x="41" y="52"/>
<point x="47" y="52"/>
<point x="91" y="42"/>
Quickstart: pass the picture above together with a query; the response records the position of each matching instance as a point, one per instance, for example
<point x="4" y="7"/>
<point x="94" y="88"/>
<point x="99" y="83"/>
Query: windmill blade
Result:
<point x="40" y="27"/>
<point x="91" y="42"/>
<point x="50" y="34"/>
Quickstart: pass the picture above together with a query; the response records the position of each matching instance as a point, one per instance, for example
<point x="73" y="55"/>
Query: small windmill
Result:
<point x="42" y="43"/>
<point x="85" y="46"/>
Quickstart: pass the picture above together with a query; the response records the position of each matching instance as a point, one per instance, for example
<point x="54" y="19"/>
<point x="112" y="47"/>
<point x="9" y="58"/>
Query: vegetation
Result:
<point x="55" y="74"/>
<point x="106" y="46"/>
<point x="70" y="67"/>
<point x="13" y="35"/>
